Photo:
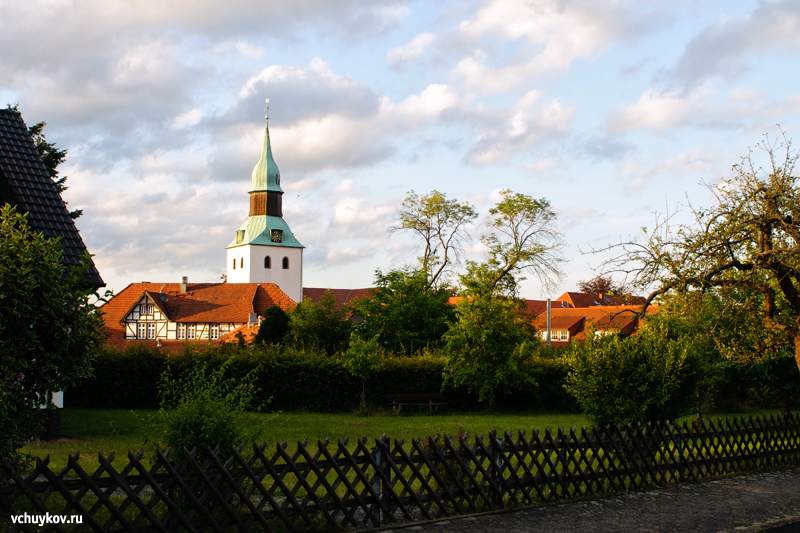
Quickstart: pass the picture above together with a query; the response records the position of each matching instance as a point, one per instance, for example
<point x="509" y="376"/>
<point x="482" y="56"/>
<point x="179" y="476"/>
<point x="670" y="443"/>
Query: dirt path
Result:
<point x="759" y="502"/>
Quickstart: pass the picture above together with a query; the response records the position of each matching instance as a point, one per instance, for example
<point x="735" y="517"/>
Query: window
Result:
<point x="191" y="330"/>
<point x="564" y="335"/>
<point x="151" y="330"/>
<point x="267" y="262"/>
<point x="141" y="330"/>
<point x="241" y="262"/>
<point x="234" y="263"/>
<point x="181" y="331"/>
<point x="214" y="331"/>
<point x="285" y="262"/>
<point x="146" y="309"/>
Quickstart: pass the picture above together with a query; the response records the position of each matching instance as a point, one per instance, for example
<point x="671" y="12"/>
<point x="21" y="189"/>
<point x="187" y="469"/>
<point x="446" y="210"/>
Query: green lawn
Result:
<point x="93" y="431"/>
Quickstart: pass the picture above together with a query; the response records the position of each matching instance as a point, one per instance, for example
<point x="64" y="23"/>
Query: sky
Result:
<point x="615" y="112"/>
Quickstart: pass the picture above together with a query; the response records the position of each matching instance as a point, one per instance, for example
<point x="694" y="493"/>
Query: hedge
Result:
<point x="297" y="380"/>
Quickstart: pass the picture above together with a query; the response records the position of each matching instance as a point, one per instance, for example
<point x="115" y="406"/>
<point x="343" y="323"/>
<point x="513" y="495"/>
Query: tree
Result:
<point x="319" y="325"/>
<point x="600" y="285"/>
<point x="404" y="312"/>
<point x="274" y="327"/>
<point x="49" y="331"/>
<point x="441" y="223"/>
<point x="363" y="360"/>
<point x="489" y="347"/>
<point x="523" y="239"/>
<point x="749" y="239"/>
<point x="645" y="377"/>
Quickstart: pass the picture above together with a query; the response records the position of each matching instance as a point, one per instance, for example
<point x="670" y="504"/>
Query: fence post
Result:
<point x="376" y="481"/>
<point x="497" y="467"/>
<point x="386" y="492"/>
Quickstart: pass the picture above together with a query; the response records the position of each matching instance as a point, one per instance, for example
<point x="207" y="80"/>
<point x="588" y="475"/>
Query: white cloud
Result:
<point x="346" y="185"/>
<point x="725" y="47"/>
<point x="659" y="110"/>
<point x="698" y="163"/>
<point x="351" y="211"/>
<point x="517" y="129"/>
<point x="189" y="118"/>
<point x="400" y="56"/>
<point x="552" y="35"/>
<point x="249" y="50"/>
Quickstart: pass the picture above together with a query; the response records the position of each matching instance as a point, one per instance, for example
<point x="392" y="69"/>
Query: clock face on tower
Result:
<point x="276" y="235"/>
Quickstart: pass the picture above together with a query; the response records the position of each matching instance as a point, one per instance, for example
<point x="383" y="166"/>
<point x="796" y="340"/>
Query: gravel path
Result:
<point x="760" y="502"/>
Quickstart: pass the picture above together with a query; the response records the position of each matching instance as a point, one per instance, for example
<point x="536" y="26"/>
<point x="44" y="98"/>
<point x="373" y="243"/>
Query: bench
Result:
<point x="431" y="400"/>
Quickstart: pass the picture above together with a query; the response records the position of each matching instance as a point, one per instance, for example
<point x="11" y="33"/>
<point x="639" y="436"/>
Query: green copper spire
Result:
<point x="266" y="176"/>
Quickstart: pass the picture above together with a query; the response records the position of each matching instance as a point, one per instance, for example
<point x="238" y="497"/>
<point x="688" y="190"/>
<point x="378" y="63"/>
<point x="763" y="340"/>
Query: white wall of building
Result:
<point x="249" y="260"/>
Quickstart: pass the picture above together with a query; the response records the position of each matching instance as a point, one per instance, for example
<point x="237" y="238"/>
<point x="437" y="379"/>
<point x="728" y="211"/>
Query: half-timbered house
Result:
<point x="170" y="314"/>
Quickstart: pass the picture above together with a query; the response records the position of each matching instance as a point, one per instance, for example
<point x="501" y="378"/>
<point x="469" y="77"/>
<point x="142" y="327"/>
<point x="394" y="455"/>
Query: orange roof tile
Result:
<point x="342" y="296"/>
<point x="620" y="317"/>
<point x="202" y="303"/>
<point x="584" y="299"/>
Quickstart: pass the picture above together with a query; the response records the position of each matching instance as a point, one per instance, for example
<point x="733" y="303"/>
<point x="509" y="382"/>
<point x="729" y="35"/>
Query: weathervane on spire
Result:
<point x="267" y="109"/>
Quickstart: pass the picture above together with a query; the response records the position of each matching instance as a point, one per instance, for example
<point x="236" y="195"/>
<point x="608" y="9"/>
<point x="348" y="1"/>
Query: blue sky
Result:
<point x="613" y="111"/>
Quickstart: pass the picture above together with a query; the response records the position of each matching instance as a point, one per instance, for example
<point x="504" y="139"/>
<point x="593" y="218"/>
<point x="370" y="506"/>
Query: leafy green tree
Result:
<point x="489" y="348"/>
<point x="363" y="360"/>
<point x="523" y="240"/>
<point x="405" y="312"/>
<point x="645" y="377"/>
<point x="320" y="325"/>
<point x="274" y="327"/>
<point x="748" y="239"/>
<point x="49" y="330"/>
<point x="441" y="223"/>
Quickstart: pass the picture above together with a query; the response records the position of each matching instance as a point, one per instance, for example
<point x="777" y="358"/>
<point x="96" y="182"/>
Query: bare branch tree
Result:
<point x="441" y="223"/>
<point x="750" y="238"/>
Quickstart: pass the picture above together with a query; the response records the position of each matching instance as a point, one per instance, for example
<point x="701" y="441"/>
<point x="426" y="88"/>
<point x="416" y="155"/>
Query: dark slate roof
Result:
<point x="26" y="183"/>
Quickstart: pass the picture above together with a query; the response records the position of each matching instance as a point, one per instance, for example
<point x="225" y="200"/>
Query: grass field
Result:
<point x="93" y="431"/>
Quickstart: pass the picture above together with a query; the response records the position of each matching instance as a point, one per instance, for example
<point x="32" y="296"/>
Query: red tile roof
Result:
<point x="342" y="296"/>
<point x="616" y="318"/>
<point x="202" y="302"/>
<point x="583" y="299"/>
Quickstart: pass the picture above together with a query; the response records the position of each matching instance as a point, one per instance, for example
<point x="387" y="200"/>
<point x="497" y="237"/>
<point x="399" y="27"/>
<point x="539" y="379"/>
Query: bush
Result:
<point x="201" y="409"/>
<point x="649" y="376"/>
<point x="302" y="379"/>
<point x="49" y="330"/>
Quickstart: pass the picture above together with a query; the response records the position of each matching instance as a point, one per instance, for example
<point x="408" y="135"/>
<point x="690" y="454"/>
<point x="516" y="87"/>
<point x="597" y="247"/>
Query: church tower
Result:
<point x="264" y="249"/>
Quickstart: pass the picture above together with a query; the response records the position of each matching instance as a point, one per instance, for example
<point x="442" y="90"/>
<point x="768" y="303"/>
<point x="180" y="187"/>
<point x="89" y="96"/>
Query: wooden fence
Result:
<point x="333" y="486"/>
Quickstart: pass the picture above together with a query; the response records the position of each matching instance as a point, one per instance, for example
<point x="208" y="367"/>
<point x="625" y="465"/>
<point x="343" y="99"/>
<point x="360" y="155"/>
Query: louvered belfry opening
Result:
<point x="268" y="203"/>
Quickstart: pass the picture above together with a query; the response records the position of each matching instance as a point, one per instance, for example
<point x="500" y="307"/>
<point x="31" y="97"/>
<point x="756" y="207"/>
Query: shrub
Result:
<point x="649" y="376"/>
<point x="201" y="409"/>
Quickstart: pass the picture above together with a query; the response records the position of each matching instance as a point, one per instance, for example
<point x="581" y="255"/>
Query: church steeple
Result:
<point x="264" y="249"/>
<point x="266" y="176"/>
<point x="266" y="193"/>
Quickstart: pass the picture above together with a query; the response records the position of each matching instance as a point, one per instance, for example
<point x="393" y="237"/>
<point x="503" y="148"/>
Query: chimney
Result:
<point x="158" y="343"/>
<point x="184" y="282"/>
